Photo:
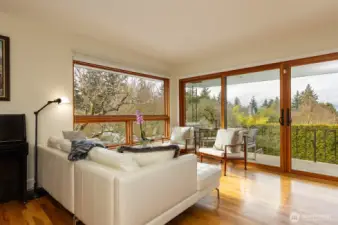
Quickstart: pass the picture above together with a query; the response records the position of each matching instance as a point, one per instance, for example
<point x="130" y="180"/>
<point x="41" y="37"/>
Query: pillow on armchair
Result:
<point x="179" y="135"/>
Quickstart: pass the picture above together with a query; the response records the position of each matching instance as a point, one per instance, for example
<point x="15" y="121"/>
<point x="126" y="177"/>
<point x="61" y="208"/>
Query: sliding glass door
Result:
<point x="253" y="103"/>
<point x="290" y="110"/>
<point x="314" y="128"/>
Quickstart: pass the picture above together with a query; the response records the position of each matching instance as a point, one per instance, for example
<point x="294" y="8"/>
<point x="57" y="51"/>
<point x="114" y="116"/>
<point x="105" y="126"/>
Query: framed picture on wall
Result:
<point x="4" y="69"/>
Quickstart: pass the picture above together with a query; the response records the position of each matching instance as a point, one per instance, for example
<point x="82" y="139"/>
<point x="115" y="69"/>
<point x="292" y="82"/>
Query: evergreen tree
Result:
<point x="308" y="95"/>
<point x="270" y="102"/>
<point x="265" y="103"/>
<point x="205" y="93"/>
<point x="237" y="101"/>
<point x="296" y="101"/>
<point x="253" y="105"/>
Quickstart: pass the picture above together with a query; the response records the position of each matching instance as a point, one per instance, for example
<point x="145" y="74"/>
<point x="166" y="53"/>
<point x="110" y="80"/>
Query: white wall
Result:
<point x="41" y="70"/>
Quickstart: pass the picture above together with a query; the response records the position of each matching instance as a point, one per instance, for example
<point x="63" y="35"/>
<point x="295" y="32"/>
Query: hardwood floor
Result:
<point x="247" y="198"/>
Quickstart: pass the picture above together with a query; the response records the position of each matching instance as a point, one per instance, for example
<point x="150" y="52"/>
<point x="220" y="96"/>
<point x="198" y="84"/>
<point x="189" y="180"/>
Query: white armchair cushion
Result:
<point x="223" y="138"/>
<point x="230" y="136"/>
<point x="212" y="151"/>
<point x="179" y="135"/>
<point x="113" y="159"/>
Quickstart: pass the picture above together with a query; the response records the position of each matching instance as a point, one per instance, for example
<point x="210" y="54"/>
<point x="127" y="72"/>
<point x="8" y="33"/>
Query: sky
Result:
<point x="326" y="87"/>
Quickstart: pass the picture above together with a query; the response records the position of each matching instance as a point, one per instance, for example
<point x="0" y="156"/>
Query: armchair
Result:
<point x="228" y="146"/>
<point x="184" y="137"/>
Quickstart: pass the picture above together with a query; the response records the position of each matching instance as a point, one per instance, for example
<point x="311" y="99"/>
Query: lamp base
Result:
<point x="38" y="193"/>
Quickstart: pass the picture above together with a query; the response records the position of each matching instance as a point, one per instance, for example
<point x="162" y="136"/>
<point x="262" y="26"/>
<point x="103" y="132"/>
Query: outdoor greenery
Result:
<point x="310" y="142"/>
<point x="312" y="119"/>
<point x="101" y="92"/>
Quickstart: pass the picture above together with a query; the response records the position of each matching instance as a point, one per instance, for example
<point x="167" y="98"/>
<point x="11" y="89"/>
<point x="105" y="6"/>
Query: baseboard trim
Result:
<point x="30" y="184"/>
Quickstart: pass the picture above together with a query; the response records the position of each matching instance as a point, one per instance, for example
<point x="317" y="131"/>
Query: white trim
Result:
<point x="30" y="184"/>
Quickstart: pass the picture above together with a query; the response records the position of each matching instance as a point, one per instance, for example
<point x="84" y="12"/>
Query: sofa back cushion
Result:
<point x="151" y="155"/>
<point x="113" y="159"/>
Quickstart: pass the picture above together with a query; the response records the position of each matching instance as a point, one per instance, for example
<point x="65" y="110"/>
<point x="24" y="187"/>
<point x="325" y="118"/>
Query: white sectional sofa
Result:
<point x="56" y="175"/>
<point x="153" y="195"/>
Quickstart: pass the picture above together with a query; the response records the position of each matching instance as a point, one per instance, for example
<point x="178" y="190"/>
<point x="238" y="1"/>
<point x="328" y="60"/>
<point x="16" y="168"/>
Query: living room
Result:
<point x="206" y="66"/>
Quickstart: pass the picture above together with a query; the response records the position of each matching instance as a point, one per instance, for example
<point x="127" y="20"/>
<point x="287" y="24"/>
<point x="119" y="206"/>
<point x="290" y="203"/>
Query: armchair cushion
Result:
<point x="212" y="151"/>
<point x="230" y="136"/>
<point x="179" y="135"/>
<point x="224" y="137"/>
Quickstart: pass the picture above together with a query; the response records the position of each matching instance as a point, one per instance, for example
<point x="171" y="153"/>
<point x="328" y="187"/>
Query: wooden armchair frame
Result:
<point x="186" y="149"/>
<point x="227" y="157"/>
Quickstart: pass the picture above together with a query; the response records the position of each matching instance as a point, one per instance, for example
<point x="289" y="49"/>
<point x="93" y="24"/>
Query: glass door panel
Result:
<point x="253" y="103"/>
<point x="203" y="103"/>
<point x="314" y="129"/>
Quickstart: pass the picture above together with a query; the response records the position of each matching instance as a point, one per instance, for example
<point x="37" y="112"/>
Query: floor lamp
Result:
<point x="36" y="113"/>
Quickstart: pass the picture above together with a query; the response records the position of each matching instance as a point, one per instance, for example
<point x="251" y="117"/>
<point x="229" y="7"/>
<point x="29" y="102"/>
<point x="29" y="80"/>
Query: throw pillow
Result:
<point x="74" y="135"/>
<point x="113" y="159"/>
<point x="179" y="135"/>
<point x="54" y="142"/>
<point x="66" y="145"/>
<point x="151" y="155"/>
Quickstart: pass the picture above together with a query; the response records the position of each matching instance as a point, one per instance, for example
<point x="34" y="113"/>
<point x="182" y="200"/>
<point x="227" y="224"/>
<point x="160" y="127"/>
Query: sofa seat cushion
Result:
<point x="212" y="151"/>
<point x="207" y="175"/>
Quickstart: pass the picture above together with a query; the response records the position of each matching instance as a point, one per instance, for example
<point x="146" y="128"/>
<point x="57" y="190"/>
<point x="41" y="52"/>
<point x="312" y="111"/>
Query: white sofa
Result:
<point x="98" y="194"/>
<point x="56" y="175"/>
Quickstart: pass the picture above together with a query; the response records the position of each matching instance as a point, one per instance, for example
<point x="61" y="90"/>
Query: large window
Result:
<point x="203" y="103"/>
<point x="106" y="99"/>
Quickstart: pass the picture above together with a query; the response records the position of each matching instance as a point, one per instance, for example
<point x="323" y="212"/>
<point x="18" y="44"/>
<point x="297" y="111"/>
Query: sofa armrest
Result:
<point x="94" y="193"/>
<point x="56" y="175"/>
<point x="154" y="189"/>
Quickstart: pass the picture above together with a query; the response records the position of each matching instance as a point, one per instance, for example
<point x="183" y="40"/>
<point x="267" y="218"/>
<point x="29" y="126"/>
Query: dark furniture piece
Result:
<point x="13" y="158"/>
<point x="206" y="136"/>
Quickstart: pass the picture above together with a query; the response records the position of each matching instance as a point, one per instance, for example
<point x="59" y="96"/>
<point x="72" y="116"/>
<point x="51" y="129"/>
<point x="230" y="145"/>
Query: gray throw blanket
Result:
<point x="81" y="148"/>
<point x="151" y="149"/>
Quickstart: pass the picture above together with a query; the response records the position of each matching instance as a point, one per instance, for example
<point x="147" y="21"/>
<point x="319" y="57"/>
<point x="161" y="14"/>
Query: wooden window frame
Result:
<point x="127" y="119"/>
<point x="285" y="98"/>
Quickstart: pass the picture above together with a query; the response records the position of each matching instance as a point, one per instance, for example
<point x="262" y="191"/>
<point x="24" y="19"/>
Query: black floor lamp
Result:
<point x="36" y="113"/>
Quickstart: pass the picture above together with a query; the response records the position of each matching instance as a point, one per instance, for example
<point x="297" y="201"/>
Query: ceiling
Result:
<point x="180" y="31"/>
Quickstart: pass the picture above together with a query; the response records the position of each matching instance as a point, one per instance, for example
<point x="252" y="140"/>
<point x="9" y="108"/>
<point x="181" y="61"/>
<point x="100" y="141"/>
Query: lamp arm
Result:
<point x="58" y="100"/>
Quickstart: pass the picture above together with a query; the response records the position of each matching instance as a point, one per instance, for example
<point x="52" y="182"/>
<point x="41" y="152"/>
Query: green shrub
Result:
<point x="304" y="140"/>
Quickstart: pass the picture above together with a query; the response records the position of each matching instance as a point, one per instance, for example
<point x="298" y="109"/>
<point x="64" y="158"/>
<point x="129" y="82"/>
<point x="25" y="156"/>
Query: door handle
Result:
<point x="281" y="118"/>
<point x="288" y="117"/>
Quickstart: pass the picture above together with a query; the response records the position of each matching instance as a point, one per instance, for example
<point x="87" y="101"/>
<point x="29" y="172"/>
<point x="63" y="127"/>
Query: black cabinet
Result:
<point x="13" y="159"/>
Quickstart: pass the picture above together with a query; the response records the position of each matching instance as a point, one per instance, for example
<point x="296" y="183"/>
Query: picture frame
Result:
<point x="4" y="68"/>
